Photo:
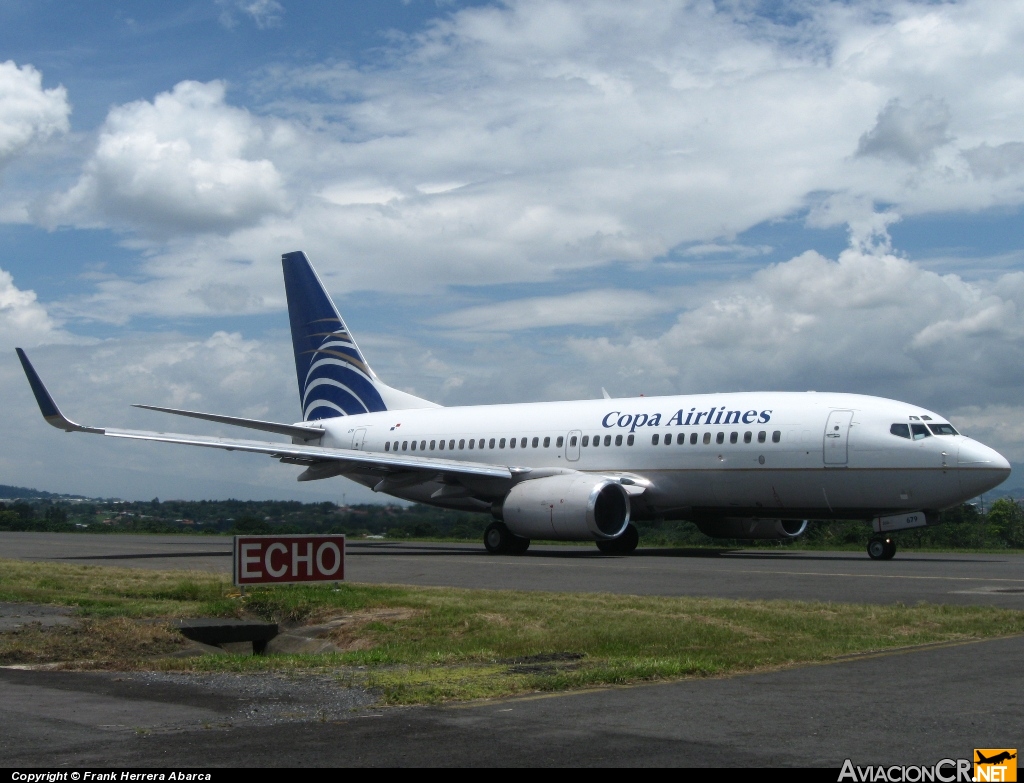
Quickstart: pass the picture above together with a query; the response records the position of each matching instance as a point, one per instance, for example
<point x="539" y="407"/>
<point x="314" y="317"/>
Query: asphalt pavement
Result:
<point x="906" y="707"/>
<point x="966" y="579"/>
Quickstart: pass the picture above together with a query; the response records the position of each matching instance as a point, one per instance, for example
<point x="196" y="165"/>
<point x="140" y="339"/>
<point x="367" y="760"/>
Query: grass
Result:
<point x="420" y="645"/>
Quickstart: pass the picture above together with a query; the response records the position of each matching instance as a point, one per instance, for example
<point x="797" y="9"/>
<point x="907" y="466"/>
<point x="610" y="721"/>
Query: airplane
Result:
<point x="750" y="465"/>
<point x="996" y="759"/>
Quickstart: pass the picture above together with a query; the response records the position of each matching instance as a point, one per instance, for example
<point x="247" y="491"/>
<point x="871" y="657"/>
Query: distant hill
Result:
<point x="14" y="493"/>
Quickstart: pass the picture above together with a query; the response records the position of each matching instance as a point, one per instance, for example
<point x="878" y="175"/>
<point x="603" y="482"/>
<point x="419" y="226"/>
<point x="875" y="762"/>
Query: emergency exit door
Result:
<point x="837" y="437"/>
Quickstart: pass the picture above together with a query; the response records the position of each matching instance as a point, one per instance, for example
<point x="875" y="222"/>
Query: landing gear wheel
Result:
<point x="881" y="549"/>
<point x="518" y="545"/>
<point x="497" y="538"/>
<point x="623" y="545"/>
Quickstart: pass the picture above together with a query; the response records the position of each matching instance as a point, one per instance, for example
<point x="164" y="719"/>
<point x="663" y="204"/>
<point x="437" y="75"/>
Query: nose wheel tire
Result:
<point x="499" y="540"/>
<point x="623" y="545"/>
<point x="881" y="549"/>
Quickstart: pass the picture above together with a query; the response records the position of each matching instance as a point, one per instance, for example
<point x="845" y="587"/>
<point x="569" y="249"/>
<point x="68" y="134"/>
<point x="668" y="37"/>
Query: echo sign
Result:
<point x="279" y="560"/>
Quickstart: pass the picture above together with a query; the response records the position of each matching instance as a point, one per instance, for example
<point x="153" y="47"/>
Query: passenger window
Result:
<point x="387" y="446"/>
<point x="522" y="443"/>
<point x="462" y="443"/>
<point x="760" y="436"/>
<point x="405" y="445"/>
<point x="707" y="438"/>
<point x="681" y="438"/>
<point x="572" y="441"/>
<point x="471" y="442"/>
<point x="413" y="444"/>
<point x="432" y="444"/>
<point x="607" y="440"/>
<point x="536" y="442"/>
<point x="720" y="438"/>
<point x="668" y="438"/>
<point x="597" y="440"/>
<point x="586" y="440"/>
<point x="920" y="431"/>
<point x="440" y="445"/>
<point x="501" y="443"/>
<point x="511" y="443"/>
<point x="942" y="429"/>
<point x="733" y="437"/>
<point x="655" y="439"/>
<point x="776" y="436"/>
<point x="618" y="440"/>
<point x="491" y="444"/>
<point x="901" y="430"/>
<point x="629" y="440"/>
<point x="547" y="442"/>
<point x="558" y="442"/>
<point x="693" y="438"/>
<point x="746" y="437"/>
<point x="423" y="445"/>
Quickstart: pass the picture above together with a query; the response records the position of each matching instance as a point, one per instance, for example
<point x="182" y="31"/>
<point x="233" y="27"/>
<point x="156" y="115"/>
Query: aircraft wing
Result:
<point x="298" y="454"/>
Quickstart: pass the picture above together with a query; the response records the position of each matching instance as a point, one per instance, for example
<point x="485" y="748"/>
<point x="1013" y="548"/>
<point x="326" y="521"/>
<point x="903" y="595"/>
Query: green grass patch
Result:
<point x="421" y="645"/>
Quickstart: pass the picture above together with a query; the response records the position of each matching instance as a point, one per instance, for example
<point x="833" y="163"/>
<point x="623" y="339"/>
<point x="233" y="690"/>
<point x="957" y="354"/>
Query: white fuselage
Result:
<point x="780" y="454"/>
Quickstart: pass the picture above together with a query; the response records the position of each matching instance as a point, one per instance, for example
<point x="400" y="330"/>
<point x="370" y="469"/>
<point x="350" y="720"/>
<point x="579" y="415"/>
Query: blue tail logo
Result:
<point x="334" y="378"/>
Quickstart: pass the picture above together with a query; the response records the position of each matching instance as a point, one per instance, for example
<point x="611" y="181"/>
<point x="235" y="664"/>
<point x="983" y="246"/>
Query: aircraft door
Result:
<point x="572" y="445"/>
<point x="837" y="436"/>
<point x="358" y="437"/>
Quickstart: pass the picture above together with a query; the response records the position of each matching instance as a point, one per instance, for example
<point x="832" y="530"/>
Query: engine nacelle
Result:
<point x="569" y="507"/>
<point x="753" y="528"/>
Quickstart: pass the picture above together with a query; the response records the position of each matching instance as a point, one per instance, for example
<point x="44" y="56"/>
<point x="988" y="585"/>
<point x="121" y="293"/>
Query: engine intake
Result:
<point x="569" y="507"/>
<point x="753" y="528"/>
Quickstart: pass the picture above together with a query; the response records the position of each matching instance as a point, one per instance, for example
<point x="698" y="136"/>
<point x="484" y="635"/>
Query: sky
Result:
<point x="509" y="201"/>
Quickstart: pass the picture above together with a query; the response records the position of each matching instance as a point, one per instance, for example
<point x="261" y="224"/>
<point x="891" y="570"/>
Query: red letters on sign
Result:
<point x="260" y="560"/>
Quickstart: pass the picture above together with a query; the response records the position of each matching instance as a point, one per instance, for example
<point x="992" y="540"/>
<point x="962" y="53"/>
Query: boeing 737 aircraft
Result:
<point x="754" y="465"/>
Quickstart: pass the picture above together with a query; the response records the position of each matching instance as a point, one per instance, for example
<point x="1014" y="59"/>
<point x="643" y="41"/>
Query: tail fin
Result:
<point x="334" y="378"/>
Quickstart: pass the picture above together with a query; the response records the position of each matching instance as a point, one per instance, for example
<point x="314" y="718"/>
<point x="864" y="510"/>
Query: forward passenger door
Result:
<point x="837" y="436"/>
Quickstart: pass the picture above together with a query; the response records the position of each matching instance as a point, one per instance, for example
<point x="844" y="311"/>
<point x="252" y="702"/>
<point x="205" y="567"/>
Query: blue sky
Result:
<point x="510" y="201"/>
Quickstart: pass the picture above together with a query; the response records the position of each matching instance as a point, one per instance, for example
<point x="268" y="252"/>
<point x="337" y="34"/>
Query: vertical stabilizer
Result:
<point x="334" y="378"/>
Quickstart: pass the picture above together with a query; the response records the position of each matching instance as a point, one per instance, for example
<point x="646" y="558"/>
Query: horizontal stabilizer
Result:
<point x="306" y="432"/>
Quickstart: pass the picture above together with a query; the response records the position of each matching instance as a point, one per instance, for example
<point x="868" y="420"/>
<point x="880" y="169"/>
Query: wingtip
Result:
<point x="51" y="413"/>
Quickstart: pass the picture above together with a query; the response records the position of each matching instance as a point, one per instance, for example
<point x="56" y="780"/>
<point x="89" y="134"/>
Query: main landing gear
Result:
<point x="881" y="548"/>
<point x="499" y="540"/>
<point x="623" y="545"/>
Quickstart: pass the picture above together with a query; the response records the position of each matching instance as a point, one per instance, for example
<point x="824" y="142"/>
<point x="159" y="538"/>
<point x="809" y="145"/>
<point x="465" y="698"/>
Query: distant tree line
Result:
<point x="1001" y="526"/>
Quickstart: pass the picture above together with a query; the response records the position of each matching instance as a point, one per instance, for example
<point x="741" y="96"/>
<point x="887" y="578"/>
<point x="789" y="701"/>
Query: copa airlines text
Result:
<point x="743" y="466"/>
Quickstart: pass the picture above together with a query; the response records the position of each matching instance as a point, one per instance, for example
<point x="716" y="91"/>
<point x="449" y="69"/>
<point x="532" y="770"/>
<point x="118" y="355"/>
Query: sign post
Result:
<point x="284" y="560"/>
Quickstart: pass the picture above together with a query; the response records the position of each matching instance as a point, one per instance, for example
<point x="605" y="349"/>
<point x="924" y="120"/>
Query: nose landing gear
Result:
<point x="881" y="548"/>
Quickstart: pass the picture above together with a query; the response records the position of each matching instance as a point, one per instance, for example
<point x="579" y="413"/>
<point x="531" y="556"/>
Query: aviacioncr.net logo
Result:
<point x="944" y="771"/>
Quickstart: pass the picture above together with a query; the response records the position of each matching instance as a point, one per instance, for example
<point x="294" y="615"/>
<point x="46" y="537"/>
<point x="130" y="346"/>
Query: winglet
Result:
<point x="46" y="404"/>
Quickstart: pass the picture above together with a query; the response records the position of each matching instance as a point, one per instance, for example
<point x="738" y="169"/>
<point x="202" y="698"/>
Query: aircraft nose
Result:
<point x="980" y="467"/>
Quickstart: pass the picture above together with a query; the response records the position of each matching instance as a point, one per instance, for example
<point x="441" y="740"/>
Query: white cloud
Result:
<point x="516" y="142"/>
<point x="27" y="111"/>
<point x="869" y="322"/>
<point x="264" y="13"/>
<point x="587" y="308"/>
<point x="909" y="133"/>
<point x="187" y="162"/>
<point x="24" y="322"/>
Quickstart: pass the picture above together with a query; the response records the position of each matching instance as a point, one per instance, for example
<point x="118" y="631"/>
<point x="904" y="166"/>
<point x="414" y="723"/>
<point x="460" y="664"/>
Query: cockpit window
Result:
<point x="942" y="429"/>
<point x="920" y="431"/>
<point x="903" y="430"/>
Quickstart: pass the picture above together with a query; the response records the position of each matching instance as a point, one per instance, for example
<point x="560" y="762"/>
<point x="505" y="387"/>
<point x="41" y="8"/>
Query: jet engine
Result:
<point x="567" y="507"/>
<point x="753" y="528"/>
